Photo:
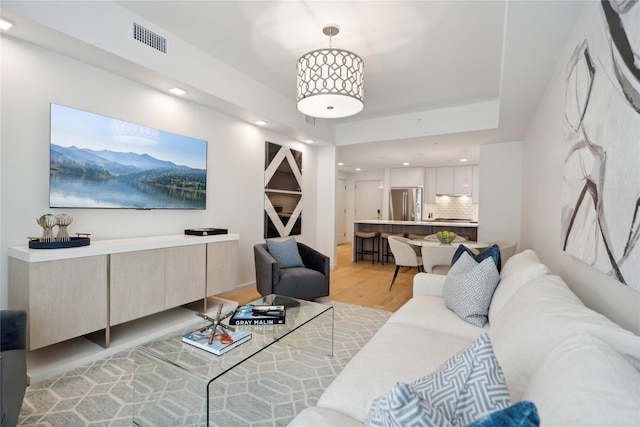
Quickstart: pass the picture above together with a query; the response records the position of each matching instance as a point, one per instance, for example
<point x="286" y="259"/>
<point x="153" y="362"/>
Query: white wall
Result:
<point x="543" y="154"/>
<point x="351" y="179"/>
<point x="34" y="77"/>
<point x="499" y="209"/>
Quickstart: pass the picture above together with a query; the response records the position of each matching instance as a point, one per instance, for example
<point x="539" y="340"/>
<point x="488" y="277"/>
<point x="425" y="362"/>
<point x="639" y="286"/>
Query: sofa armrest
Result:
<point x="313" y="259"/>
<point x="13" y="330"/>
<point x="428" y="284"/>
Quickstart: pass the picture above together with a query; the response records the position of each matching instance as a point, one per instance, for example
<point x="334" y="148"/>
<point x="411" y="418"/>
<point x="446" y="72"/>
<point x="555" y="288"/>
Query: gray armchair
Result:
<point x="308" y="282"/>
<point x="13" y="365"/>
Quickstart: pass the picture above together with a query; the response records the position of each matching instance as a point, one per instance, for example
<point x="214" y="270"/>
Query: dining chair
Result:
<point x="437" y="259"/>
<point x="404" y="255"/>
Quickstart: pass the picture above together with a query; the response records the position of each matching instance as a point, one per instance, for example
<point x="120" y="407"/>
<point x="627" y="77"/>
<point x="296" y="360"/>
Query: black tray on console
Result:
<point x="73" y="243"/>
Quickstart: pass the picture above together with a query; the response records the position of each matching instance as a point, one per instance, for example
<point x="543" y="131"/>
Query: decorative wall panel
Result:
<point x="283" y="191"/>
<point x="601" y="189"/>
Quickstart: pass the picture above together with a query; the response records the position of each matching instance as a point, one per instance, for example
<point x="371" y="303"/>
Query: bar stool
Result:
<point x="361" y="237"/>
<point x="386" y="251"/>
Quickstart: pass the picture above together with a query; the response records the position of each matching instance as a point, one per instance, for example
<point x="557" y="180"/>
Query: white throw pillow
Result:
<point x="518" y="270"/>
<point x="468" y="386"/>
<point x="469" y="287"/>
<point x="585" y="382"/>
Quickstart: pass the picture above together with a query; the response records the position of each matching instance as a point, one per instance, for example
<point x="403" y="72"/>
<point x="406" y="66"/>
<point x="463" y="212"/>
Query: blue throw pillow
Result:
<point x="492" y="252"/>
<point x="522" y="414"/>
<point x="286" y="253"/>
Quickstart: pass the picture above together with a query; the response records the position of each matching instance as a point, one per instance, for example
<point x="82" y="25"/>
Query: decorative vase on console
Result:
<point x="47" y="222"/>
<point x="63" y="221"/>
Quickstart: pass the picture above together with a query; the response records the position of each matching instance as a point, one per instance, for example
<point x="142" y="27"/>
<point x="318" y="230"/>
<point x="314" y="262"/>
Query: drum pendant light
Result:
<point x="330" y="81"/>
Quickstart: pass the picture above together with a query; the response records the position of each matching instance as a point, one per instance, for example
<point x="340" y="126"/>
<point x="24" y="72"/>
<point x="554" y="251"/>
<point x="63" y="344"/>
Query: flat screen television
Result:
<point x="101" y="162"/>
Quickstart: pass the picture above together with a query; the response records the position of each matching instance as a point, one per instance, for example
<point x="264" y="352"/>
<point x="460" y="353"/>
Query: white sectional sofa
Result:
<point x="575" y="365"/>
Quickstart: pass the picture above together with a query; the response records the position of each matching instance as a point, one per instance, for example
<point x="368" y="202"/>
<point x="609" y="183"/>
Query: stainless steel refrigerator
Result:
<point x="405" y="204"/>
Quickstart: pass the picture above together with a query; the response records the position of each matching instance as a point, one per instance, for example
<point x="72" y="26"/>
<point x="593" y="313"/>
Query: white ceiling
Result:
<point x="421" y="58"/>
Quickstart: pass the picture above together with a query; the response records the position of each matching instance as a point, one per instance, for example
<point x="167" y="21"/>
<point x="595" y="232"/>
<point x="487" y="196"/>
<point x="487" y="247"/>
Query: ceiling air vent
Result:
<point x="310" y="120"/>
<point x="148" y="37"/>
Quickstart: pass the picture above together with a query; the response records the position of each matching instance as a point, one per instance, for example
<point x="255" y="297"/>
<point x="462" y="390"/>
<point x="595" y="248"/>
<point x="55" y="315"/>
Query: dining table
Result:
<point x="471" y="244"/>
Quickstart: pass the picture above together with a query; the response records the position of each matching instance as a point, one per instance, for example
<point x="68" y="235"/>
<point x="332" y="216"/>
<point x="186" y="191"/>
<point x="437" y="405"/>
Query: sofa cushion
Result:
<point x="520" y="414"/>
<point x="469" y="287"/>
<point x="429" y="312"/>
<point x="492" y="252"/>
<point x="585" y="382"/>
<point x="537" y="319"/>
<point x="468" y="386"/>
<point x="396" y="353"/>
<point x="518" y="270"/>
<point x="285" y="252"/>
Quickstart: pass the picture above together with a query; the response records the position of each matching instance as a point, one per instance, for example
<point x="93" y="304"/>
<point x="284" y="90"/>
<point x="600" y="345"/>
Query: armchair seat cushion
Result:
<point x="299" y="282"/>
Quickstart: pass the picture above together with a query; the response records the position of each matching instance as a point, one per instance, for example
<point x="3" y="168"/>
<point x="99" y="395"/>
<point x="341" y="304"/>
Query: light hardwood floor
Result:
<point x="360" y="283"/>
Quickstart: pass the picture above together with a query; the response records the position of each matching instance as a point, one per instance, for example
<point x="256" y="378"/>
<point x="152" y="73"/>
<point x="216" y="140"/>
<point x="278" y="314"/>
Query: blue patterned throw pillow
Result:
<point x="469" y="287"/>
<point x="468" y="386"/>
<point x="285" y="252"/>
<point x="402" y="407"/>
<point x="492" y="252"/>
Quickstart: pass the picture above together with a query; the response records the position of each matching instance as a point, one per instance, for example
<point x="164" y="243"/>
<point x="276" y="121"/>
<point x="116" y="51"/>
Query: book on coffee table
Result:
<point x="201" y="340"/>
<point x="259" y="315"/>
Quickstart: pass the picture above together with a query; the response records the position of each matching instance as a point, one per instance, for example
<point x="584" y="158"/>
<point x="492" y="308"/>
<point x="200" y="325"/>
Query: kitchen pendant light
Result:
<point x="330" y="81"/>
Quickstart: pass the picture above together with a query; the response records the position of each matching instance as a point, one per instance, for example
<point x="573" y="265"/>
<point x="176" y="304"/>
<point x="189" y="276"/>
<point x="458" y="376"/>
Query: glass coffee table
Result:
<point x="175" y="383"/>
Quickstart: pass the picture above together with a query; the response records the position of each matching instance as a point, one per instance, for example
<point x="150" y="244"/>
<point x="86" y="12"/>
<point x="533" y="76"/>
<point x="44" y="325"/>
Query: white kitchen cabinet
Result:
<point x="476" y="185"/>
<point x="456" y="180"/>
<point x="462" y="180"/>
<point x="444" y="180"/>
<point x="406" y="177"/>
<point x="430" y="191"/>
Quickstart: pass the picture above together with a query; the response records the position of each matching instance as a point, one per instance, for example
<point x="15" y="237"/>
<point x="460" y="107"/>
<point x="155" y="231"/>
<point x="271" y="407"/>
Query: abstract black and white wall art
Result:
<point x="601" y="188"/>
<point x="282" y="191"/>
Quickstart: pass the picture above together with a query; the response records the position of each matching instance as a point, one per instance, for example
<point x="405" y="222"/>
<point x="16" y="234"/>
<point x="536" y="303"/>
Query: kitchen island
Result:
<point x="466" y="229"/>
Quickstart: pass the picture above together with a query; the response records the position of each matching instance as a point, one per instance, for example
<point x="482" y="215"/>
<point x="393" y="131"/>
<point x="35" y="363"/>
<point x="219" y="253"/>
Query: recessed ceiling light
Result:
<point x="177" y="91"/>
<point x="464" y="159"/>
<point x="340" y="164"/>
<point x="260" y="122"/>
<point x="358" y="169"/>
<point x="406" y="164"/>
<point x="309" y="141"/>
<point x="5" y="24"/>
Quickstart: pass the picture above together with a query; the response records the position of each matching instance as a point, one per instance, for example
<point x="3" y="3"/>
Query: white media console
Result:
<point x="72" y="292"/>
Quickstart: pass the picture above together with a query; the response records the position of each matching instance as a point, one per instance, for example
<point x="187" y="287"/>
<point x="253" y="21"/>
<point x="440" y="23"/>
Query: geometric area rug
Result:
<point x="270" y="390"/>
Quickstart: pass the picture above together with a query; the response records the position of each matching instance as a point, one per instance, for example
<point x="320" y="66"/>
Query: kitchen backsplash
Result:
<point x="451" y="207"/>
